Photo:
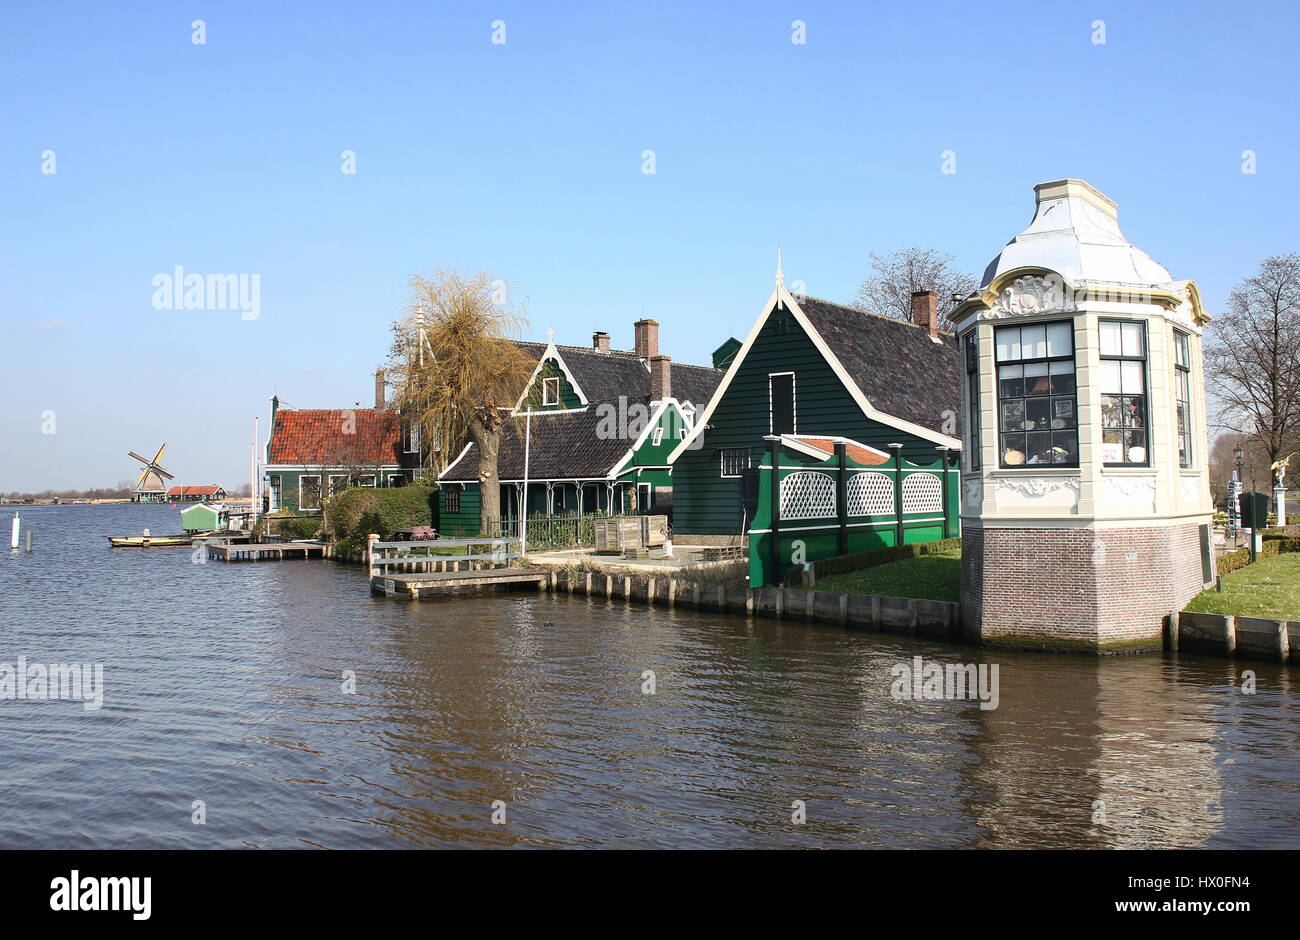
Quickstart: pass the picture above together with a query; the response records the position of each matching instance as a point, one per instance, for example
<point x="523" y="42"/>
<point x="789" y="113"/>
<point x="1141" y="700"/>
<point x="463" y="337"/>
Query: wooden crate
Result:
<point x="614" y="536"/>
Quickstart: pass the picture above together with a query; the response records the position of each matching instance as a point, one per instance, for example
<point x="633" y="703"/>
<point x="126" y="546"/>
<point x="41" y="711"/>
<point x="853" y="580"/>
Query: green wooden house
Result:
<point x="592" y="431"/>
<point x="820" y="371"/>
<point x="202" y="517"/>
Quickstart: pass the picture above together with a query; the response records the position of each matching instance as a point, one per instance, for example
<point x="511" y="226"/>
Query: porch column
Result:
<point x="550" y="499"/>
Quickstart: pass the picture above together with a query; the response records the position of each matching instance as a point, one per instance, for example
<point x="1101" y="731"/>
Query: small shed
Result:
<point x="202" y="517"/>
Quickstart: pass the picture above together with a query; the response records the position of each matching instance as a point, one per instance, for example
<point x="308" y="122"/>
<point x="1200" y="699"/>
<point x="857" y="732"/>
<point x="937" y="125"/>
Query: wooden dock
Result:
<point x="265" y="551"/>
<point x="413" y="570"/>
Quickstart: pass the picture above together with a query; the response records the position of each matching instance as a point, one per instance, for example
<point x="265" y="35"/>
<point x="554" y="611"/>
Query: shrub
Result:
<point x="298" y="528"/>
<point x="841" y="564"/>
<point x="1235" y="560"/>
<point x="360" y="510"/>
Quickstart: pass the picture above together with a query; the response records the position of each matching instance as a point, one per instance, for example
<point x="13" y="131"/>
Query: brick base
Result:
<point x="1091" y="590"/>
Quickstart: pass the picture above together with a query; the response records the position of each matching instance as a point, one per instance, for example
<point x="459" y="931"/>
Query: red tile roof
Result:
<point x="336" y="437"/>
<point x="859" y="452"/>
<point x="194" y="490"/>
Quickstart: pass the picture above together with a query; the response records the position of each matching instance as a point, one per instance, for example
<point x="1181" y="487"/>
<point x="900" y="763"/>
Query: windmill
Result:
<point x="150" y="488"/>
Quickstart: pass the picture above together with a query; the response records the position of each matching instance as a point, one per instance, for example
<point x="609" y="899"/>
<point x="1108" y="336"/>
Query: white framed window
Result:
<point x="682" y="432"/>
<point x="366" y="479"/>
<point x="396" y="479"/>
<point x="309" y="491"/>
<point x="1124" y="415"/>
<point x="1037" y="412"/>
<point x="1183" y="395"/>
<point x="338" y="483"/>
<point x="643" y="491"/>
<point x="781" y="403"/>
<point x="733" y="460"/>
<point x="657" y="437"/>
<point x="551" y="390"/>
<point x="411" y="437"/>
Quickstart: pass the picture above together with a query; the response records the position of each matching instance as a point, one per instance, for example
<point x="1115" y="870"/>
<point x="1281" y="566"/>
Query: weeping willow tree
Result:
<point x="455" y="370"/>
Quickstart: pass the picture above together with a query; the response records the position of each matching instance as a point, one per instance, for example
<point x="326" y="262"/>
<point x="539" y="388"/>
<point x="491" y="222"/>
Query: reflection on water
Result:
<point x="225" y="684"/>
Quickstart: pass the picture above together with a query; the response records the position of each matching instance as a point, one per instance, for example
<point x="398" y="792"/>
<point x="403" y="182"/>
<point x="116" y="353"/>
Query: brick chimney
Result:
<point x="600" y="342"/>
<point x="661" y="379"/>
<point x="925" y="311"/>
<point x="647" y="338"/>
<point x="379" y="389"/>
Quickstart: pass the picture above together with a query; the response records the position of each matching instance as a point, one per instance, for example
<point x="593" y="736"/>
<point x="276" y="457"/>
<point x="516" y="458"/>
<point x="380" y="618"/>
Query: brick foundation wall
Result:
<point x="1087" y="589"/>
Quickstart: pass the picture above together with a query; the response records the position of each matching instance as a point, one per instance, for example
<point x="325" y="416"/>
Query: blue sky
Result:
<point x="526" y="159"/>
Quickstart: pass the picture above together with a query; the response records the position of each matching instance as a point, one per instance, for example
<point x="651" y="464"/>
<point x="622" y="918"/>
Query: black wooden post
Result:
<point x="841" y="491"/>
<point x="774" y="448"/>
<point x="898" y="491"/>
<point x="943" y="478"/>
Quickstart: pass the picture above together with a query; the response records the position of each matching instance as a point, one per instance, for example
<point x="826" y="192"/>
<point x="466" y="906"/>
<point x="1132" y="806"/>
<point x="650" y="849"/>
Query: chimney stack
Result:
<point x="925" y="311"/>
<point x="379" y="389"/>
<point x="661" y="380"/>
<point x="600" y="342"/>
<point x="647" y="338"/>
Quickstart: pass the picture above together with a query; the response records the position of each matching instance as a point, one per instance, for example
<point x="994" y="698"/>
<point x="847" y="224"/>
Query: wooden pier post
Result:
<point x="370" y="554"/>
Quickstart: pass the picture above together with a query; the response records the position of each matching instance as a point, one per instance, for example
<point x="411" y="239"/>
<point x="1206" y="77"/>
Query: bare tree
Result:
<point x="1252" y="358"/>
<point x="456" y="370"/>
<point x="888" y="291"/>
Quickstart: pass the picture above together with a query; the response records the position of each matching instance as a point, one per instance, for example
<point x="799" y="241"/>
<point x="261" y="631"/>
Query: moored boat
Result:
<point x="154" y="541"/>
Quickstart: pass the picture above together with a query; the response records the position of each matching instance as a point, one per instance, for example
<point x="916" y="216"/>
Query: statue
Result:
<point x="1279" y="469"/>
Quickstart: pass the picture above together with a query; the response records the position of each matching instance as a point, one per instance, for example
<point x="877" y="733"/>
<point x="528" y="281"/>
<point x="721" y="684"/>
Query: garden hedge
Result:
<point x="360" y="510"/>
<point x="840" y="564"/>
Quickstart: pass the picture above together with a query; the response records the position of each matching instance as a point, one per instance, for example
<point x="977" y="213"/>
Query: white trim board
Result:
<point x="550" y="352"/>
<point x="786" y="299"/>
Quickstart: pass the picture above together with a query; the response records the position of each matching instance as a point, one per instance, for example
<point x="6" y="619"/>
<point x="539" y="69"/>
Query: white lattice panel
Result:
<point x="870" y="494"/>
<point x="922" y="492"/>
<point x="808" y="495"/>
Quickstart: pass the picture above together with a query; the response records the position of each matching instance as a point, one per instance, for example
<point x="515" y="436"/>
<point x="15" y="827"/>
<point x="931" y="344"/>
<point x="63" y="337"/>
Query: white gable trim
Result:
<point x="447" y="469"/>
<point x="550" y="352"/>
<point x="655" y="417"/>
<point x="785" y="297"/>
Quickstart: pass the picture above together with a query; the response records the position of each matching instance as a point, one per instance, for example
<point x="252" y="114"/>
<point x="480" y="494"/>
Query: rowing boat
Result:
<point x="153" y="541"/>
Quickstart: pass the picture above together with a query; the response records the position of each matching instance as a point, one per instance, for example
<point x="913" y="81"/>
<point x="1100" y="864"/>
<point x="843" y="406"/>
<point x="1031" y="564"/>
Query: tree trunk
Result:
<point x="488" y="442"/>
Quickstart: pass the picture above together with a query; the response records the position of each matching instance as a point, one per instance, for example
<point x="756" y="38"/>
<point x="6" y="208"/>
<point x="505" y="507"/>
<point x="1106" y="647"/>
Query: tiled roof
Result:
<point x="336" y="437"/>
<point x="900" y="369"/>
<point x="564" y="446"/>
<point x="604" y="376"/>
<point x="859" y="452"/>
<point x="193" y="490"/>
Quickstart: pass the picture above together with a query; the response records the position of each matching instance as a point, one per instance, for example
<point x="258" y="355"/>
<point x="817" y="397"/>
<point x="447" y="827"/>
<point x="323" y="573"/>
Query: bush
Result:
<point x="841" y="564"/>
<point x="1233" y="561"/>
<point x="298" y="528"/>
<point x="360" y="510"/>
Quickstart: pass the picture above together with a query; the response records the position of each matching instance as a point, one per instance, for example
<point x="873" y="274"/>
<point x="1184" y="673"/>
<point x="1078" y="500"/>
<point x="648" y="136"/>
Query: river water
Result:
<point x="224" y="683"/>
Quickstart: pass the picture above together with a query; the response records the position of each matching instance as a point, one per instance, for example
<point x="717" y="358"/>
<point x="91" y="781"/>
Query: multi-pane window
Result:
<point x="1183" y="392"/>
<point x="309" y="491"/>
<point x="734" y="460"/>
<point x="973" y="390"/>
<point x="452" y="499"/>
<point x="1037" y="414"/>
<point x="1123" y="393"/>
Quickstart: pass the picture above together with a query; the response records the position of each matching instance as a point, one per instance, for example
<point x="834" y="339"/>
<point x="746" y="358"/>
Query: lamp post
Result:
<point x="1234" y="490"/>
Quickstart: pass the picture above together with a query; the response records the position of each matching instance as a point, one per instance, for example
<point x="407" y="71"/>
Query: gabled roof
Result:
<point x="563" y="446"/>
<point x="896" y="372"/>
<point x="604" y="376"/>
<point x="194" y="490"/>
<point x="901" y="370"/>
<point x="320" y="437"/>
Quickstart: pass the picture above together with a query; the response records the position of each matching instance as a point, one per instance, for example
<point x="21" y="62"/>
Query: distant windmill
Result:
<point x="150" y="488"/>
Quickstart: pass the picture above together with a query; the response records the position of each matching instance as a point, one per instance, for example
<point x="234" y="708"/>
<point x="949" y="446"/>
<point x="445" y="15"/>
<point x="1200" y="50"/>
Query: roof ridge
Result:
<point x="871" y="313"/>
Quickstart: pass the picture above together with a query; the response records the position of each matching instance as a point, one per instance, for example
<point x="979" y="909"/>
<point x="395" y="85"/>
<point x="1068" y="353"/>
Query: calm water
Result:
<point x="223" y="684"/>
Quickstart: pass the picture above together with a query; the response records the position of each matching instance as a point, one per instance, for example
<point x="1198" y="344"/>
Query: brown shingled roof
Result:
<point x="336" y="437"/>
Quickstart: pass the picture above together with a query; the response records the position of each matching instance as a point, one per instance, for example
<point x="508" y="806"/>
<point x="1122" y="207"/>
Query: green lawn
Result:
<point x="1268" y="588"/>
<point x="936" y="577"/>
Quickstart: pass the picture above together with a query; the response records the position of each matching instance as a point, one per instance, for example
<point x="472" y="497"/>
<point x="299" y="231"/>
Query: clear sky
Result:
<point x="526" y="158"/>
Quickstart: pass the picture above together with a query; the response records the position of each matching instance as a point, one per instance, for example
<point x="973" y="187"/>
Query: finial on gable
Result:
<point x="550" y="335"/>
<point x="780" y="275"/>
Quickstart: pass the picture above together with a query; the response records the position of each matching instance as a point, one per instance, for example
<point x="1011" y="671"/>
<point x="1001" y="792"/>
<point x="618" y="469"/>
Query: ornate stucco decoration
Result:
<point x="972" y="494"/>
<point x="1031" y="294"/>
<point x="1038" y="487"/>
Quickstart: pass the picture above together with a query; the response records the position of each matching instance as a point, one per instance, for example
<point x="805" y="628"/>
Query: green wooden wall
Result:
<point x="532" y="400"/>
<point x="706" y="503"/>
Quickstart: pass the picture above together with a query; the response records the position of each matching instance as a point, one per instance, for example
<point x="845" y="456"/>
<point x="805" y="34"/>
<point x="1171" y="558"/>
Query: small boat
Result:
<point x="154" y="541"/>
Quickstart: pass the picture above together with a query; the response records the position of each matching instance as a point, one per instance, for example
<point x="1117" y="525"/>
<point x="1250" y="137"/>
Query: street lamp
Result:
<point x="1234" y="519"/>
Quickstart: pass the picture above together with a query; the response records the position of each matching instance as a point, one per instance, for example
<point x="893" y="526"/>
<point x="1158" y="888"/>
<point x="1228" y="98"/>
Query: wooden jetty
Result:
<point x="264" y="551"/>
<point x="420" y="569"/>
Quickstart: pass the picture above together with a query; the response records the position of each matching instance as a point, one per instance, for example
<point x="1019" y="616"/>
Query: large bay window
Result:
<point x="1037" y="412"/>
<point x="1183" y="394"/>
<point x="1124" y="440"/>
